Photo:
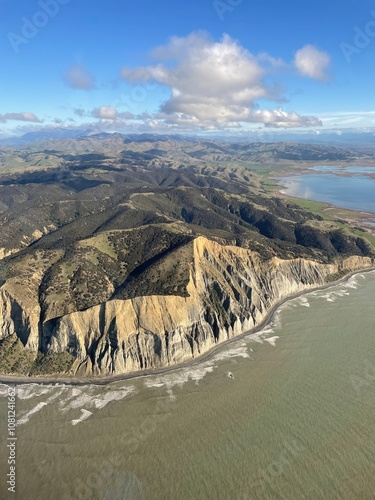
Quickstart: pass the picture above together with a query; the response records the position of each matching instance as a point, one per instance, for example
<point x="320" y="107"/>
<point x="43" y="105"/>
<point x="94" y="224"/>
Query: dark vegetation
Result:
<point x="113" y="226"/>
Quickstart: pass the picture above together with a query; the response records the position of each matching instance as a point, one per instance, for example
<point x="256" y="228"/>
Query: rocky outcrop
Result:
<point x="5" y="252"/>
<point x="20" y="318"/>
<point x="230" y="290"/>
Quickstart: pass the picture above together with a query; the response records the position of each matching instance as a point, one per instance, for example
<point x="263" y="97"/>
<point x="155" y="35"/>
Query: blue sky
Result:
<point x="227" y="65"/>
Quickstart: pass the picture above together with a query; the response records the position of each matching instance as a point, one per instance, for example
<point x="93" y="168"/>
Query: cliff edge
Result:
<point x="229" y="291"/>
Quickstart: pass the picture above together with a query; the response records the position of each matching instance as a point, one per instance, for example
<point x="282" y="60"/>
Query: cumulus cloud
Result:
<point x="213" y="84"/>
<point x="22" y="117"/>
<point x="105" y="113"/>
<point x="79" y="77"/>
<point x="312" y="62"/>
<point x="281" y="119"/>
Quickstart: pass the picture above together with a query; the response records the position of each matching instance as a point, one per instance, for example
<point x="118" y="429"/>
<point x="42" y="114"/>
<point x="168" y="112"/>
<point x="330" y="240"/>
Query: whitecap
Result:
<point x="84" y="416"/>
<point x="78" y="400"/>
<point x="172" y="397"/>
<point x="180" y="377"/>
<point x="272" y="340"/>
<point x="107" y="397"/>
<point x="25" y="418"/>
<point x="89" y="397"/>
<point x="352" y="283"/>
<point x="32" y="391"/>
<point x="4" y="390"/>
<point x="258" y="336"/>
<point x="235" y="352"/>
<point x="303" y="301"/>
<point x="329" y="297"/>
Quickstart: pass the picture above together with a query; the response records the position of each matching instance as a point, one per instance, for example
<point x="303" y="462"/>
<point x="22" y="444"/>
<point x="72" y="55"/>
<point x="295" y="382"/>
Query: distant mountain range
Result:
<point x="123" y="253"/>
<point x="350" y="137"/>
<point x="57" y="134"/>
<point x="176" y="147"/>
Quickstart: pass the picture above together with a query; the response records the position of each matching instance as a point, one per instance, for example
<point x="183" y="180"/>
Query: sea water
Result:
<point x="287" y="413"/>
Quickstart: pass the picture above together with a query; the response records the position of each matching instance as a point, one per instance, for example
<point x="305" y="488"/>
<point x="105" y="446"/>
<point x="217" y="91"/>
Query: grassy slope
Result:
<point x="118" y="227"/>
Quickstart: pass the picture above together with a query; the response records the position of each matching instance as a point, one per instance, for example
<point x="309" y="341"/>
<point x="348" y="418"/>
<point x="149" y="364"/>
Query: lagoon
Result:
<point x="355" y="191"/>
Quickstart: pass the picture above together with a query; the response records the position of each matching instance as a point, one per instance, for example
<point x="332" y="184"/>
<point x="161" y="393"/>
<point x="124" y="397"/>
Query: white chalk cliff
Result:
<point x="231" y="289"/>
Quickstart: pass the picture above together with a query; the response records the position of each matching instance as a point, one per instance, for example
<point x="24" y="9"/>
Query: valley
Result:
<point x="137" y="253"/>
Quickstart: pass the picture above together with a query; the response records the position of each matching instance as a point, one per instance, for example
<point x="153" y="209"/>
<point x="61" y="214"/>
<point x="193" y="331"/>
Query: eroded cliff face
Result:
<point x="4" y="252"/>
<point x="231" y="289"/>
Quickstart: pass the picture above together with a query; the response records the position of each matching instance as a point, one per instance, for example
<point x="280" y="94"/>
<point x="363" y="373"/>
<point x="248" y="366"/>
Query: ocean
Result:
<point x="287" y="413"/>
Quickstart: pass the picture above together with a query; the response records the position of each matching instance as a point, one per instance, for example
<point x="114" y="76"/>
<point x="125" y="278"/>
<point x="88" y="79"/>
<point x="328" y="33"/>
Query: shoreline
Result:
<point x="278" y="177"/>
<point x="101" y="381"/>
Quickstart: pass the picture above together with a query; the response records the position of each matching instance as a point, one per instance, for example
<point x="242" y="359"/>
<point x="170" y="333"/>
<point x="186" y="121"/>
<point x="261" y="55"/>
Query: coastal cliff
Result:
<point x="229" y="291"/>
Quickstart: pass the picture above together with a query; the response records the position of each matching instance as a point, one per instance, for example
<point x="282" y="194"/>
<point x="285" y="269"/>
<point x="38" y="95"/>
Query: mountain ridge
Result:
<point x="98" y="233"/>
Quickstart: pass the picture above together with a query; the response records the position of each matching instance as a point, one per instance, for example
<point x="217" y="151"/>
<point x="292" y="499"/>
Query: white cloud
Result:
<point x="281" y="119"/>
<point x="214" y="85"/>
<point x="22" y="117"/>
<point x="109" y="113"/>
<point x="79" y="77"/>
<point x="312" y="62"/>
<point x="105" y="113"/>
